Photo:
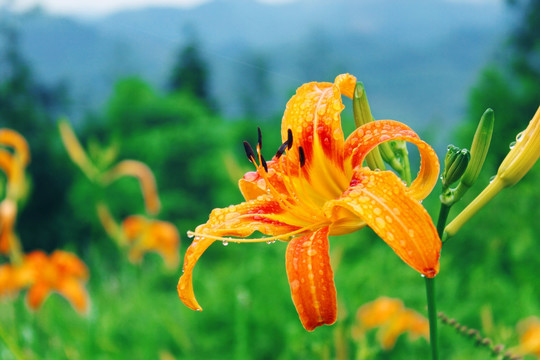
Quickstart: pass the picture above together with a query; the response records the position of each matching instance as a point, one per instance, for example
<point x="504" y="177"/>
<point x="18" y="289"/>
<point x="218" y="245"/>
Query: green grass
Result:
<point x="248" y="313"/>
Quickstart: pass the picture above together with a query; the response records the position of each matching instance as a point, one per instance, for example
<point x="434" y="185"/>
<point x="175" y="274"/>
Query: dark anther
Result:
<point x="259" y="140"/>
<point x="289" y="139"/>
<point x="302" y="156"/>
<point x="249" y="152"/>
<point x="281" y="149"/>
<point x="263" y="162"/>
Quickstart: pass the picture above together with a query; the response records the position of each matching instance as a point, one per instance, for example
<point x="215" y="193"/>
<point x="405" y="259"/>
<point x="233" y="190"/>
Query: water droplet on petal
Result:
<point x="512" y="144"/>
<point x="519" y="136"/>
<point x="225" y="243"/>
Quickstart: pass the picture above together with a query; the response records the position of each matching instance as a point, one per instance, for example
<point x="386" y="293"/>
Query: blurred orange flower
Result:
<point x="529" y="341"/>
<point x="11" y="138"/>
<point x="10" y="283"/>
<point x="14" y="161"/>
<point x="146" y="179"/>
<point x="145" y="235"/>
<point x="392" y="318"/>
<point x="8" y="214"/>
<point x="62" y="272"/>
<point x="316" y="186"/>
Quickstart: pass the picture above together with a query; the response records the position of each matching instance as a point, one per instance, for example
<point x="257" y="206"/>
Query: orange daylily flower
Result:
<point x="316" y="186"/>
<point x="145" y="235"/>
<point x="529" y="341"/>
<point x="393" y="318"/>
<point x="62" y="272"/>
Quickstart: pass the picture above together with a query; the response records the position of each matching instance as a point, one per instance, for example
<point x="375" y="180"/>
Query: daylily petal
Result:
<point x="311" y="279"/>
<point x="8" y="214"/>
<point x="146" y="179"/>
<point x="37" y="294"/>
<point x="263" y="214"/>
<point x="378" y="312"/>
<point x="75" y="292"/>
<point x="236" y="220"/>
<point x="313" y="118"/>
<point x="185" y="284"/>
<point x="15" y="140"/>
<point x="368" y="136"/>
<point x="381" y="200"/>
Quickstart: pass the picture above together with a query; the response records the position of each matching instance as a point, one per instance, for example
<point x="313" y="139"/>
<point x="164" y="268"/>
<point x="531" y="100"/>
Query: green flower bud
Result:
<point x="362" y="115"/>
<point x="479" y="148"/>
<point x="455" y="164"/>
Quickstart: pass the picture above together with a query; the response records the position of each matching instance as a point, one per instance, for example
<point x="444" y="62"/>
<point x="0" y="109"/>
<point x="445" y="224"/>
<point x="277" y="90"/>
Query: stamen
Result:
<point x="263" y="162"/>
<point x="281" y="149"/>
<point x="249" y="152"/>
<point x="259" y="139"/>
<point x="289" y="139"/>
<point x="270" y="238"/>
<point x="302" y="156"/>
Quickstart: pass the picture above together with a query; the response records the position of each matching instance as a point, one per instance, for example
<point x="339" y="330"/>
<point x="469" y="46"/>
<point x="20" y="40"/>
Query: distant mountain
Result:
<point x="417" y="58"/>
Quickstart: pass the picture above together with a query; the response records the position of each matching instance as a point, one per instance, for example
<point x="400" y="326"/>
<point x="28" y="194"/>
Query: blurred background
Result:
<point x="179" y="85"/>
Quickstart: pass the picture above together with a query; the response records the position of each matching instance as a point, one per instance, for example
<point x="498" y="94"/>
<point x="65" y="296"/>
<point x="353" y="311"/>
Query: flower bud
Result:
<point x="523" y="154"/>
<point x="455" y="163"/>
<point x="362" y="115"/>
<point x="479" y="148"/>
<point x="515" y="165"/>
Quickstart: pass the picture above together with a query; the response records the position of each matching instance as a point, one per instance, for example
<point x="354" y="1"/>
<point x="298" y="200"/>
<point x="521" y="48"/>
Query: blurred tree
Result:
<point x="511" y="84"/>
<point x="178" y="137"/>
<point x="255" y="87"/>
<point x="30" y="108"/>
<point x="190" y="71"/>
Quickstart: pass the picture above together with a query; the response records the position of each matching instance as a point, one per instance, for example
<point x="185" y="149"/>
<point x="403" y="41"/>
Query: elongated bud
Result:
<point x="515" y="165"/>
<point x="523" y="154"/>
<point x="362" y="115"/>
<point x="455" y="164"/>
<point x="479" y="147"/>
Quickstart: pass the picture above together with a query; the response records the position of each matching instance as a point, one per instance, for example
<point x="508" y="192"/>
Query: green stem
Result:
<point x="432" y="316"/>
<point x="430" y="290"/>
<point x="443" y="217"/>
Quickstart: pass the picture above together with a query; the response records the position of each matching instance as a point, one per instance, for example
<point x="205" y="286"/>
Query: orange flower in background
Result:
<point x="144" y="235"/>
<point x="11" y="138"/>
<point x="529" y="341"/>
<point x="392" y="318"/>
<point x="62" y="272"/>
<point x="146" y="179"/>
<point x="9" y="280"/>
<point x="8" y="214"/>
<point x="316" y="186"/>
<point x="13" y="162"/>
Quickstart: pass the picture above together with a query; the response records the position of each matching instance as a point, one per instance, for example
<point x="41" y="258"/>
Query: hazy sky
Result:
<point x="94" y="7"/>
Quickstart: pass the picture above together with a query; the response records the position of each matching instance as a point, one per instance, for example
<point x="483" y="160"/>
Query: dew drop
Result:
<point x="519" y="136"/>
<point x="190" y="235"/>
<point x="512" y="144"/>
<point x="225" y="243"/>
<point x="492" y="178"/>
